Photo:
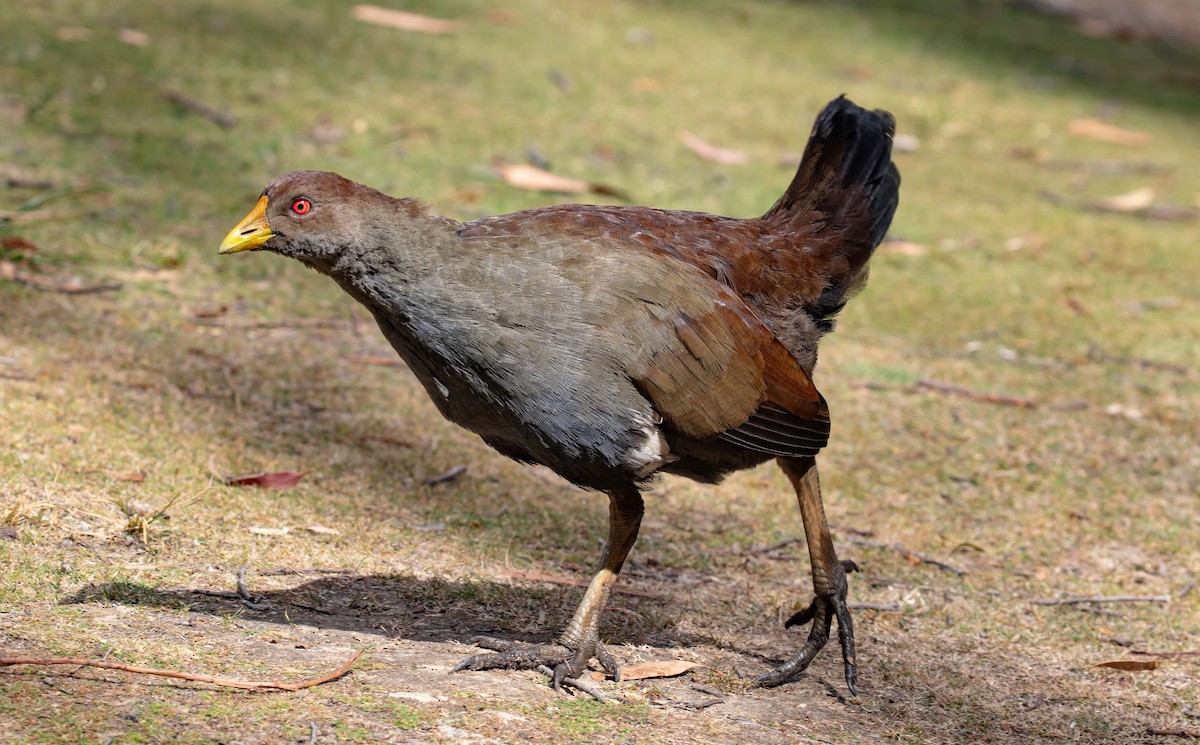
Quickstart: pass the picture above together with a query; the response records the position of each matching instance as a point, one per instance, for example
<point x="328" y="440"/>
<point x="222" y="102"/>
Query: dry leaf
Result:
<point x="1138" y="199"/>
<point x="904" y="248"/>
<point x="646" y="670"/>
<point x="1132" y="665"/>
<point x="536" y="179"/>
<point x="270" y="531"/>
<point x="134" y="37"/>
<point x="715" y="154"/>
<point x="322" y="530"/>
<point x="17" y="245"/>
<point x="1095" y="129"/>
<point x="272" y="480"/>
<point x="402" y="20"/>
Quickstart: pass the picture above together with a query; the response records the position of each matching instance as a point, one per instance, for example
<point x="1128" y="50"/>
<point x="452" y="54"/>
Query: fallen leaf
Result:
<point x="404" y="21"/>
<point x="706" y="151"/>
<point x="322" y="530"/>
<point x="536" y="179"/>
<point x="646" y="670"/>
<point x="903" y="248"/>
<point x="272" y="480"/>
<point x="1132" y="665"/>
<point x="1095" y="129"/>
<point x="270" y="531"/>
<point x="1138" y="199"/>
<point x="134" y="37"/>
<point x="18" y="245"/>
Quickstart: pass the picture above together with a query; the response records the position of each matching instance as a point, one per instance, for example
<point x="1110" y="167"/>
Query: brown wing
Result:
<point x="721" y="373"/>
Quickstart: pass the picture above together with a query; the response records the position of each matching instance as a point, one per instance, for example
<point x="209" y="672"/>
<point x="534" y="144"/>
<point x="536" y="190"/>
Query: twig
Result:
<point x="196" y="107"/>
<point x="45" y="285"/>
<point x="253" y="685"/>
<point x="587" y="688"/>
<point x="990" y="398"/>
<point x="450" y="475"/>
<point x="1194" y="734"/>
<point x="1095" y="354"/>
<point x="908" y="554"/>
<point x="1165" y="655"/>
<point x="312" y="733"/>
<point x="1104" y="599"/>
<point x="775" y="547"/>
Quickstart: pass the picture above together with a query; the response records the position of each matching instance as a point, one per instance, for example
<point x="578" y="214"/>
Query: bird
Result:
<point x="612" y="343"/>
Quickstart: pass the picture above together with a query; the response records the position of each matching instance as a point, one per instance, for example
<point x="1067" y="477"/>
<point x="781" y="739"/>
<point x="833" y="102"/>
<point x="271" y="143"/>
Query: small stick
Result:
<point x="989" y="398"/>
<point x="253" y="685"/>
<point x="450" y="475"/>
<point x="775" y="547"/>
<point x="1104" y="599"/>
<point x="587" y="688"/>
<point x="1096" y="354"/>
<point x="204" y="110"/>
<point x="1174" y="733"/>
<point x="909" y="554"/>
<point x="67" y="289"/>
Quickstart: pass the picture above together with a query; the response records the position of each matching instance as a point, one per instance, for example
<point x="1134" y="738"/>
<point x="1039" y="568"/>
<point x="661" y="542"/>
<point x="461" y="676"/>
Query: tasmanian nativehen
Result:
<point x="614" y="343"/>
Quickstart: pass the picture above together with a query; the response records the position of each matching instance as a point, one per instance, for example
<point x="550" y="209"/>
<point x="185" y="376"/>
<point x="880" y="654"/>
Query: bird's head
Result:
<point x="303" y="214"/>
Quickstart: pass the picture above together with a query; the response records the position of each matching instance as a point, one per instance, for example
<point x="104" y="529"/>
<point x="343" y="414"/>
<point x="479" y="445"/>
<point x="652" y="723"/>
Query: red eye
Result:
<point x="301" y="206"/>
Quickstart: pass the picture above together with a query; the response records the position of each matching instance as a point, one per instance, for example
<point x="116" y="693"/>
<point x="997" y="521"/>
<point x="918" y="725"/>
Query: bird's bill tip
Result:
<point x="251" y="233"/>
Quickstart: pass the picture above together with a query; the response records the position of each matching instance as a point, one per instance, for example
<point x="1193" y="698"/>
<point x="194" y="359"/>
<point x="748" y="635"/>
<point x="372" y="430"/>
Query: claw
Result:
<point x="822" y="611"/>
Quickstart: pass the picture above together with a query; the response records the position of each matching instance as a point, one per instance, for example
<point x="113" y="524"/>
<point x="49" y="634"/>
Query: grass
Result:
<point x="201" y="365"/>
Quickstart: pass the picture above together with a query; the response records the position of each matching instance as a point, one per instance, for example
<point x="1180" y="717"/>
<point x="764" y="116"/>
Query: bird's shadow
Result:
<point x="420" y="609"/>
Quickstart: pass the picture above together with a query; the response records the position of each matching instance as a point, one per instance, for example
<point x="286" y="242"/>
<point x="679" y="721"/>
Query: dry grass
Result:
<point x="117" y="408"/>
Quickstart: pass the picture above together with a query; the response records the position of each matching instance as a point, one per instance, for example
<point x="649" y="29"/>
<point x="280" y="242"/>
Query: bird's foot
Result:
<point x="567" y="662"/>
<point x="821" y="612"/>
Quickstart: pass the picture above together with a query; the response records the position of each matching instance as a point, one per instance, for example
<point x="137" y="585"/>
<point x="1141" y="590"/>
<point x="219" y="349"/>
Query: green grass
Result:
<point x="1093" y="316"/>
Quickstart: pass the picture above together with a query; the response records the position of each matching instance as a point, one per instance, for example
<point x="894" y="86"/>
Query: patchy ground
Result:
<point x="1016" y="396"/>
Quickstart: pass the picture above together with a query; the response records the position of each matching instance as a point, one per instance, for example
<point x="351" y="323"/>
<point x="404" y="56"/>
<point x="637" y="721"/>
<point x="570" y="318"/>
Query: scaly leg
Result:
<point x="580" y="642"/>
<point x="829" y="582"/>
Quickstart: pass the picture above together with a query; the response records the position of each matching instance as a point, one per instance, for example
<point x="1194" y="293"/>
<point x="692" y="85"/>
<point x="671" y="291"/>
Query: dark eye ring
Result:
<point x="301" y="206"/>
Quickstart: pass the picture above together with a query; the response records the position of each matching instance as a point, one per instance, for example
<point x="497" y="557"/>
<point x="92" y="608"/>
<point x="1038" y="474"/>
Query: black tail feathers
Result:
<point x="848" y="185"/>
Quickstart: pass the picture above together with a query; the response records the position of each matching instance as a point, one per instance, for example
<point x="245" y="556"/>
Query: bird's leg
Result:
<point x="580" y="642"/>
<point x="829" y="582"/>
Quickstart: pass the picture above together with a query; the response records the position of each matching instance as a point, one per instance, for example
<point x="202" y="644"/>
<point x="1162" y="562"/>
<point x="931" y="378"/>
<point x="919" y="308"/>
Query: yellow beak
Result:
<point x="251" y="233"/>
